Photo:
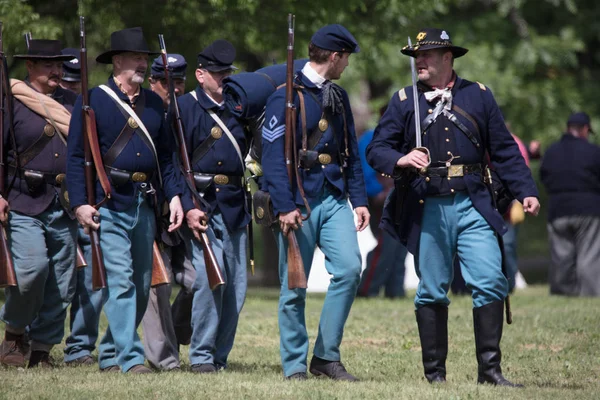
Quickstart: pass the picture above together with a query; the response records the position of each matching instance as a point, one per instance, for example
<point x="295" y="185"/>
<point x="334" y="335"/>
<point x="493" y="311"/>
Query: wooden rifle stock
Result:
<point x="213" y="270"/>
<point x="160" y="275"/>
<point x="88" y="120"/>
<point x="81" y="263"/>
<point x="296" y="273"/>
<point x="7" y="269"/>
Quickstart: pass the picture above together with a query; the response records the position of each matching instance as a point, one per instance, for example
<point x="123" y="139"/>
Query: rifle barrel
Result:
<point x="413" y="70"/>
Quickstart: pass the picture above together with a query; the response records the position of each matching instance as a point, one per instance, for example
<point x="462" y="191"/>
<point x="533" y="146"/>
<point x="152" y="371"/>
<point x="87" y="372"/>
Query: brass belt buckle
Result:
<point x="138" y="177"/>
<point x="324" y="158"/>
<point x="456" y="171"/>
<point x="221" y="179"/>
<point x="60" y="178"/>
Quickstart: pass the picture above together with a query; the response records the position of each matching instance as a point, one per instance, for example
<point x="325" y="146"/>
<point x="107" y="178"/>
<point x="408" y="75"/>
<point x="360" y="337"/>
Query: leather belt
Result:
<point x="453" y="171"/>
<point x="219" y="179"/>
<point x="120" y="176"/>
<point x="31" y="176"/>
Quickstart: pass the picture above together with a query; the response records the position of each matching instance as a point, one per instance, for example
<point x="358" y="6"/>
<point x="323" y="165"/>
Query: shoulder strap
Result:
<point x="124" y="106"/>
<point x="402" y="94"/>
<point x="228" y="133"/>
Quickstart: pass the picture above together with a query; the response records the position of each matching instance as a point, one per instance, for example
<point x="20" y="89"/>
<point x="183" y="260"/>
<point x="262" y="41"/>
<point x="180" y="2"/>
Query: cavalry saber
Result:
<point x="418" y="133"/>
<point x="413" y="69"/>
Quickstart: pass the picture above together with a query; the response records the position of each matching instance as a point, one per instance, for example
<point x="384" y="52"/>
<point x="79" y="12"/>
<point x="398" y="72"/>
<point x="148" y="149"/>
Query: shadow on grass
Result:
<point x="252" y="368"/>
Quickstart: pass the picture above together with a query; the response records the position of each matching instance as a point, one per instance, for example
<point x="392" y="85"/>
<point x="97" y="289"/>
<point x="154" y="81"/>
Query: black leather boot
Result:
<point x="488" y="322"/>
<point x="433" y="331"/>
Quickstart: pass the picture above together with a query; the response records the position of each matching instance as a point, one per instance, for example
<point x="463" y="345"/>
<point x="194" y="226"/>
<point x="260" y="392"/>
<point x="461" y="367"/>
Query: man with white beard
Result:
<point x="137" y="154"/>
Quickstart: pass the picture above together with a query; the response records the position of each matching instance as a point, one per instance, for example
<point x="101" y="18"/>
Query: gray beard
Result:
<point x="136" y="78"/>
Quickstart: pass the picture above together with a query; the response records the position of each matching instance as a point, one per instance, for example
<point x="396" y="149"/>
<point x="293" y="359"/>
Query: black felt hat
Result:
<point x="44" y="49"/>
<point x="433" y="38"/>
<point x="218" y="56"/>
<point x="125" y="40"/>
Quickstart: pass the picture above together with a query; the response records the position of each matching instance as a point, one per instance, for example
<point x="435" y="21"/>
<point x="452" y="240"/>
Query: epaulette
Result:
<point x="482" y="86"/>
<point x="402" y="94"/>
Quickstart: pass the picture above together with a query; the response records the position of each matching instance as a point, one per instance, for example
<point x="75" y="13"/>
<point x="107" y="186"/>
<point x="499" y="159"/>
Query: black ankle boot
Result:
<point x="488" y="322"/>
<point x="433" y="331"/>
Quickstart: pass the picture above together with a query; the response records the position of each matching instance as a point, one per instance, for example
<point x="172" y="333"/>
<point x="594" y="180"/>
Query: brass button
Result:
<point x="421" y="201"/>
<point x="216" y="132"/>
<point x="260" y="212"/>
<point x="220" y="163"/>
<point x="446" y="128"/>
<point x="449" y="178"/>
<point x="49" y="130"/>
<point x="56" y="155"/>
<point x="217" y="190"/>
<point x="322" y="166"/>
<point x="326" y="144"/>
<point x="447" y="140"/>
<point x="451" y="190"/>
<point x="221" y="179"/>
<point x="449" y="153"/>
<point x="60" y="178"/>
<point x="139" y="177"/>
<point x="323" y="124"/>
<point x="430" y="111"/>
<point x="427" y="179"/>
<point x="131" y="122"/>
<point x="139" y="154"/>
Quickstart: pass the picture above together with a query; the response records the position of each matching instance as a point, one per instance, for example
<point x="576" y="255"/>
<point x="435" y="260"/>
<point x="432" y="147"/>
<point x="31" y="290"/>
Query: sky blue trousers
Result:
<point x="43" y="251"/>
<point x="331" y="227"/>
<point x="451" y="226"/>
<point x="126" y="238"/>
<point x="215" y="313"/>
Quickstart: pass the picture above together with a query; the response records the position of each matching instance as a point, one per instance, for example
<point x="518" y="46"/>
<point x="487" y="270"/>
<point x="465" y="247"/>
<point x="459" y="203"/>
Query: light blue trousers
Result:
<point x="85" y="308"/>
<point x="452" y="226"/>
<point x="331" y="227"/>
<point x="126" y="238"/>
<point x="215" y="313"/>
<point x="43" y="251"/>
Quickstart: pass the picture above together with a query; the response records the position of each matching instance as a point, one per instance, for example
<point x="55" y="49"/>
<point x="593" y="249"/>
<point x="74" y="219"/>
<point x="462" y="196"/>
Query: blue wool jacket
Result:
<point x="221" y="158"/>
<point x="136" y="155"/>
<point x="286" y="197"/>
<point x="395" y="137"/>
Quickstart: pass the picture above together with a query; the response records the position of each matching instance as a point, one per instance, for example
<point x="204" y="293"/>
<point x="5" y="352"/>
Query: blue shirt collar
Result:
<point x="206" y="102"/>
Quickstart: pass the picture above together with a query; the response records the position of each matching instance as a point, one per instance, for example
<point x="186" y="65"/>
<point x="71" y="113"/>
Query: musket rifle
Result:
<point x="213" y="270"/>
<point x="7" y="269"/>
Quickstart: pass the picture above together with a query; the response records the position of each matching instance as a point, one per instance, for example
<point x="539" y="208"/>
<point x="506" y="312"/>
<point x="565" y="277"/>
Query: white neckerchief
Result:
<point x="445" y="96"/>
<point x="313" y="76"/>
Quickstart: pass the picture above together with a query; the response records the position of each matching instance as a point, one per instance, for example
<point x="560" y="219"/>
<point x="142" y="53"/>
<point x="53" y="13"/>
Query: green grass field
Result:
<point x="553" y="347"/>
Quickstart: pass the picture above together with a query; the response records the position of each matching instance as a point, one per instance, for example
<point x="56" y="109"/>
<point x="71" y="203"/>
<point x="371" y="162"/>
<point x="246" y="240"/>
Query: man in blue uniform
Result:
<point x="445" y="210"/>
<point x="570" y="172"/>
<point x="329" y="179"/>
<point x="217" y="144"/>
<point x="160" y="337"/>
<point x="137" y="155"/>
<point x="41" y="234"/>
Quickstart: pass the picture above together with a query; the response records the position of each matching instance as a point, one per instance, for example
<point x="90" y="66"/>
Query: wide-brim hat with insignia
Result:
<point x="71" y="68"/>
<point x="433" y="38"/>
<point x="44" y="49"/>
<point x="123" y="41"/>
<point x="217" y="57"/>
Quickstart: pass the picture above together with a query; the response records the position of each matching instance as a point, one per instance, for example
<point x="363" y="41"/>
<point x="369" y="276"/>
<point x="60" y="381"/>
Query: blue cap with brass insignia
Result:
<point x="335" y="38"/>
<point x="218" y="56"/>
<point x="433" y="38"/>
<point x="176" y="62"/>
<point x="71" y="68"/>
